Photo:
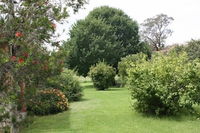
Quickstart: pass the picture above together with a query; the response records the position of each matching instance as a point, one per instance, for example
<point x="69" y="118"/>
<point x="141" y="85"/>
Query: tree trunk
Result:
<point x="22" y="86"/>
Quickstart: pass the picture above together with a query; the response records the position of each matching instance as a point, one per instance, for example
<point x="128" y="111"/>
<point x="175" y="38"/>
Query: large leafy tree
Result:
<point x="105" y="34"/>
<point x="155" y="30"/>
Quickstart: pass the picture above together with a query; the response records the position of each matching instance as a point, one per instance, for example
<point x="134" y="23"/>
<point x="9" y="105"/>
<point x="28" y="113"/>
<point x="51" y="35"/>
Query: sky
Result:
<point x="186" y="14"/>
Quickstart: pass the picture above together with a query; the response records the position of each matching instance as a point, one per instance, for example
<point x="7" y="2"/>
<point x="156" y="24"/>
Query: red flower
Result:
<point x="13" y="58"/>
<point x="18" y="34"/>
<point x="20" y="60"/>
<point x="25" y="55"/>
<point x="53" y="25"/>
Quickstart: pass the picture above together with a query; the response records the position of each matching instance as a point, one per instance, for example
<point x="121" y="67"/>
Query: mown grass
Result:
<point x="109" y="112"/>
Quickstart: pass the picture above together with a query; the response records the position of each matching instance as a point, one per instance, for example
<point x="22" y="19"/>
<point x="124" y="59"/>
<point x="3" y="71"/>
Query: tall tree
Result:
<point x="26" y="26"/>
<point x="105" y="34"/>
<point x="155" y="32"/>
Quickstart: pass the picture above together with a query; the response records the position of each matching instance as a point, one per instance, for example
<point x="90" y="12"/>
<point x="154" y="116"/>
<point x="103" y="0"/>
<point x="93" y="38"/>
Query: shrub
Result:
<point x="129" y="62"/>
<point x="102" y="75"/>
<point x="118" y="82"/>
<point x="165" y="85"/>
<point x="192" y="48"/>
<point x="48" y="102"/>
<point x="68" y="83"/>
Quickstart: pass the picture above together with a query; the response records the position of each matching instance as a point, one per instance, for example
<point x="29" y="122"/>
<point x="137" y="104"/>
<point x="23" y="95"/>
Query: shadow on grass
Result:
<point x="116" y="89"/>
<point x="181" y="116"/>
<point x="83" y="100"/>
<point x="89" y="86"/>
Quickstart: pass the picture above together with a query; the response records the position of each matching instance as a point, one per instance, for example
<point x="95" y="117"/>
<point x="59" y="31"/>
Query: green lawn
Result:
<point x="109" y="112"/>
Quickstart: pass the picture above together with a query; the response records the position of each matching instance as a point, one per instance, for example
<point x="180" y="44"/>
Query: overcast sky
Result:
<point x="186" y="14"/>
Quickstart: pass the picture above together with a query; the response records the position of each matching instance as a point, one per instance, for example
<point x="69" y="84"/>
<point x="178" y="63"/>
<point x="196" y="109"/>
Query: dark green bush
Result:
<point x="68" y="83"/>
<point x="48" y="102"/>
<point x="129" y="62"/>
<point x="165" y="85"/>
<point x="102" y="75"/>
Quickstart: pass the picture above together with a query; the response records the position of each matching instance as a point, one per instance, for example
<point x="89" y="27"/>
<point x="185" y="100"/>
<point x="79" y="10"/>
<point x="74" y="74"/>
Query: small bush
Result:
<point x="129" y="62"/>
<point x="165" y="85"/>
<point x="102" y="75"/>
<point x="118" y="82"/>
<point x="48" y="102"/>
<point x="68" y="83"/>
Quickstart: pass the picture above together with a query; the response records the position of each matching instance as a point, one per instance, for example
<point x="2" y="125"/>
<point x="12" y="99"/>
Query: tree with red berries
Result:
<point x="27" y="27"/>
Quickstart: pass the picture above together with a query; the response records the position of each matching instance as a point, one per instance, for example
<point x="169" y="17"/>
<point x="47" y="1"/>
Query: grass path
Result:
<point x="109" y="112"/>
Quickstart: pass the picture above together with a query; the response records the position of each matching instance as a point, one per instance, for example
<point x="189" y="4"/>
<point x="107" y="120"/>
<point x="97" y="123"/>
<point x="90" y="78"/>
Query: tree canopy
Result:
<point x="155" y="31"/>
<point x="105" y="34"/>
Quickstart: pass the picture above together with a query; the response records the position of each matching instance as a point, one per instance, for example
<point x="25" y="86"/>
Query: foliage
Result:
<point x="68" y="83"/>
<point x="127" y="62"/>
<point x="192" y="49"/>
<point x="102" y="75"/>
<point x="105" y="34"/>
<point x="178" y="49"/>
<point x="22" y="22"/>
<point x="118" y="81"/>
<point x="48" y="101"/>
<point x="155" y="31"/>
<point x="165" y="85"/>
<point x="26" y="30"/>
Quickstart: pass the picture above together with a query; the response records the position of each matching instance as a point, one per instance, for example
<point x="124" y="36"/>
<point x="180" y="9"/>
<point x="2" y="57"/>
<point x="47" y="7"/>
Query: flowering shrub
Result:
<point x="48" y="102"/>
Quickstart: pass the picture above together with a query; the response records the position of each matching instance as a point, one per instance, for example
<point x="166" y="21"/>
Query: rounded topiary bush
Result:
<point x="49" y="101"/>
<point x="165" y="85"/>
<point x="68" y="83"/>
<point x="102" y="75"/>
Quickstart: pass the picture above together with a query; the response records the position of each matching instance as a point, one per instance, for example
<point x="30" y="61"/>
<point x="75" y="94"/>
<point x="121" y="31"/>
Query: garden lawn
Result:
<point x="109" y="112"/>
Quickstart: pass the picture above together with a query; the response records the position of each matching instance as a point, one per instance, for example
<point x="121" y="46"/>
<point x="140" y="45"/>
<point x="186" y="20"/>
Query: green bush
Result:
<point x="48" y="102"/>
<point x="192" y="48"/>
<point x="129" y="62"/>
<point x="102" y="75"/>
<point x="118" y="82"/>
<point x="165" y="85"/>
<point x="68" y="83"/>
